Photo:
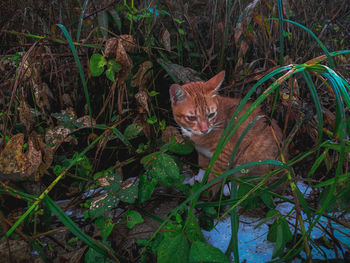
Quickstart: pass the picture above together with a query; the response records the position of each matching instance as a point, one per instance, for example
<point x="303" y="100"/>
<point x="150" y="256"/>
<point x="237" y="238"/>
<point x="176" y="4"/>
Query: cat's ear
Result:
<point x="215" y="82"/>
<point x="177" y="94"/>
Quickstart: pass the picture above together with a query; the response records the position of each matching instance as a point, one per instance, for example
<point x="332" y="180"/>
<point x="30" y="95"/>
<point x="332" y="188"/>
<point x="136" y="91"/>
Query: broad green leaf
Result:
<point x="146" y="188"/>
<point x="97" y="64"/>
<point x="173" y="250"/>
<point x="180" y="148"/>
<point x="128" y="192"/>
<point x="202" y="252"/>
<point x="110" y="74"/>
<point x="162" y="167"/>
<point x="192" y="229"/>
<point x="114" y="180"/>
<point x="132" y="131"/>
<point x="114" y="66"/>
<point x="133" y="218"/>
<point x="105" y="225"/>
<point x="102" y="205"/>
<point x="279" y="245"/>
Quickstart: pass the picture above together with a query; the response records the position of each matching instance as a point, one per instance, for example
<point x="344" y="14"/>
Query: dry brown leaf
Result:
<point x="25" y="116"/>
<point x="12" y="160"/>
<point x="125" y="61"/>
<point x="33" y="155"/>
<point x="165" y="40"/>
<point x="169" y="132"/>
<point x="142" y="99"/>
<point x="111" y="47"/>
<point x="143" y="75"/>
<point x="42" y="95"/>
<point x="85" y="121"/>
<point x="128" y="42"/>
<point x="54" y="137"/>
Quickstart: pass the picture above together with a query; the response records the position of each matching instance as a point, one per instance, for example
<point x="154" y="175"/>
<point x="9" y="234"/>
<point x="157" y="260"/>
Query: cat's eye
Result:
<point x="211" y="115"/>
<point x="191" y="118"/>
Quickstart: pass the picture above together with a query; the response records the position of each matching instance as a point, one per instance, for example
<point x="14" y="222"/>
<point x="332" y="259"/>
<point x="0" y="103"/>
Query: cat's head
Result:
<point x="195" y="105"/>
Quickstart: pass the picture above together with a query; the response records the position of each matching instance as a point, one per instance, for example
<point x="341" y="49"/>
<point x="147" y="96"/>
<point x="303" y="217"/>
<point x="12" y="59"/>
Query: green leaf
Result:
<point x="128" y="192"/>
<point x="152" y="120"/>
<point x="153" y="93"/>
<point x="279" y="246"/>
<point x="102" y="205"/>
<point x="105" y="225"/>
<point x="115" y="181"/>
<point x="97" y="64"/>
<point x="110" y="74"/>
<point x="202" y="252"/>
<point x="173" y="250"/>
<point x="133" y="218"/>
<point x="132" y="131"/>
<point x="181" y="32"/>
<point x="162" y="167"/>
<point x="180" y="148"/>
<point x="114" y="66"/>
<point x="146" y="188"/>
<point x="193" y="230"/>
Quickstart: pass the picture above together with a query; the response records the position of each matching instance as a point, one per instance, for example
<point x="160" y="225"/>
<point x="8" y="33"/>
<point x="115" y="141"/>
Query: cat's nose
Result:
<point x="205" y="131"/>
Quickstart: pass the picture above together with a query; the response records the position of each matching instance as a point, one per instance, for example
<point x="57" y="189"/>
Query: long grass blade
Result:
<point x="81" y="19"/>
<point x="77" y="61"/>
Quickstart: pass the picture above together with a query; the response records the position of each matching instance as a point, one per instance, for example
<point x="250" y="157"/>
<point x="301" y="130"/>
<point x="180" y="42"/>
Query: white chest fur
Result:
<point x="205" y="151"/>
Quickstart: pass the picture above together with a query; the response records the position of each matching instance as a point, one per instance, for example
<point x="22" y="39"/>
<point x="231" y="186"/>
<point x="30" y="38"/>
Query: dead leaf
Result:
<point x="42" y="95"/>
<point x="143" y="75"/>
<point x="142" y="99"/>
<point x="128" y="42"/>
<point x="54" y="137"/>
<point x="178" y="73"/>
<point x="12" y="160"/>
<point x="25" y="115"/>
<point x="125" y="61"/>
<point x="169" y="132"/>
<point x="111" y="47"/>
<point x="165" y="40"/>
<point x="33" y="155"/>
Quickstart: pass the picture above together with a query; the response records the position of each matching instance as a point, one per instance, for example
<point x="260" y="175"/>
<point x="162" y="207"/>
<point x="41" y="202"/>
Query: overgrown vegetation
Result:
<point x="86" y="129"/>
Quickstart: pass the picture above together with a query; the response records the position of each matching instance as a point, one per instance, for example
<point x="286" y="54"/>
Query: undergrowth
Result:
<point x="86" y="129"/>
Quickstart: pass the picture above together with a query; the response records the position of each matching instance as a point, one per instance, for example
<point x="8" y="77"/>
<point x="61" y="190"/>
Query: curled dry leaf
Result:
<point x="42" y="95"/>
<point x="84" y="122"/>
<point x="111" y="47"/>
<point x="123" y="59"/>
<point x="128" y="42"/>
<point x="54" y="137"/>
<point x="25" y="115"/>
<point x="165" y="39"/>
<point x="33" y="155"/>
<point x="169" y="132"/>
<point x="142" y="99"/>
<point x="143" y="75"/>
<point x="31" y="72"/>
<point x="14" y="162"/>
<point x="11" y="158"/>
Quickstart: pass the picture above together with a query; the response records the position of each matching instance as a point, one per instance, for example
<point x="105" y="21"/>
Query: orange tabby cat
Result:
<point x="203" y="115"/>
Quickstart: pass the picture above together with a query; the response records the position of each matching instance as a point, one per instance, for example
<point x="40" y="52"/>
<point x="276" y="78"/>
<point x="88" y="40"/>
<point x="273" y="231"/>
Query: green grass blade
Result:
<point x="77" y="61"/>
<point x="81" y="19"/>
<point x="324" y="48"/>
<point x="316" y="100"/>
<point x="280" y="18"/>
<point x="73" y="227"/>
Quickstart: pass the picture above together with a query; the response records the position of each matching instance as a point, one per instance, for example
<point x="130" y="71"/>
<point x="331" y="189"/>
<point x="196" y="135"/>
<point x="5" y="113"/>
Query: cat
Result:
<point x="203" y="115"/>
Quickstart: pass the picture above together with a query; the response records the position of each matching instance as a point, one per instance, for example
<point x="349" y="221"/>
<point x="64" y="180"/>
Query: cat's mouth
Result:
<point x="189" y="132"/>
